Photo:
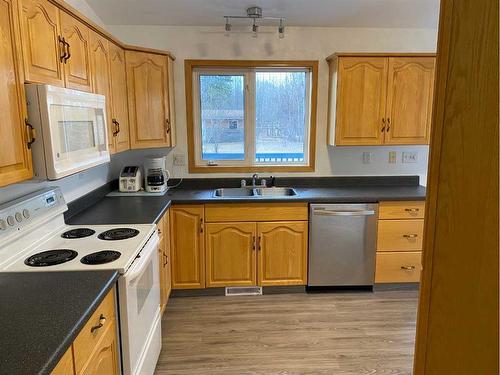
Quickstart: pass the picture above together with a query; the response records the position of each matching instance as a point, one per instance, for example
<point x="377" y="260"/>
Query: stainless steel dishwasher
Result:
<point x="342" y="244"/>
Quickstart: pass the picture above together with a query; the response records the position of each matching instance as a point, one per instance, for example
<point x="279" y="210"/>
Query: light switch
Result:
<point x="392" y="157"/>
<point x="179" y="160"/>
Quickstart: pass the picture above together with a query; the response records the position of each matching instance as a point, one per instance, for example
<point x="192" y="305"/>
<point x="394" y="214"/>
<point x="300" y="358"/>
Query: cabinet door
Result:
<point x="101" y="80"/>
<point x="77" y="65"/>
<point x="282" y="253"/>
<point x="147" y="84"/>
<point x="168" y="259"/>
<point x="409" y="100"/>
<point x="65" y="366"/>
<point x="230" y="254"/>
<point x="42" y="49"/>
<point x="188" y="255"/>
<point x="119" y="95"/>
<point x="161" y="262"/>
<point x="361" y="100"/>
<point x="104" y="359"/>
<point x="15" y="158"/>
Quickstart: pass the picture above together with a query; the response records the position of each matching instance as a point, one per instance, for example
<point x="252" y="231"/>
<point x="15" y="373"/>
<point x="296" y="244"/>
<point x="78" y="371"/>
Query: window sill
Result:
<point x="245" y="169"/>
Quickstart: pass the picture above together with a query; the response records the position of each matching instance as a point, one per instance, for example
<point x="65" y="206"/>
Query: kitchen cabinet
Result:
<point x="164" y="260"/>
<point x="188" y="250"/>
<point x="15" y="156"/>
<point x="282" y="253"/>
<point x="231" y="254"/>
<point x="378" y="99"/>
<point x="43" y="49"/>
<point x="101" y="79"/>
<point x="119" y="105"/>
<point x="77" y="74"/>
<point x="149" y="101"/>
<point x="399" y="242"/>
<point x="95" y="350"/>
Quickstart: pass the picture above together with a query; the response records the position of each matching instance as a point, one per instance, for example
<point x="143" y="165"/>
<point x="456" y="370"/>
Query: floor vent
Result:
<point x="244" y="291"/>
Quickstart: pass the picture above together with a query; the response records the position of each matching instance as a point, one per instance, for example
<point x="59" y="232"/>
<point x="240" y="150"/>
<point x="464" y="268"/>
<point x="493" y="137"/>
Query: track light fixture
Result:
<point x="255" y="13"/>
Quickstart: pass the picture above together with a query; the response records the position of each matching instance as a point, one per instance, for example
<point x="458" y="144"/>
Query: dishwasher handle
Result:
<point x="323" y="212"/>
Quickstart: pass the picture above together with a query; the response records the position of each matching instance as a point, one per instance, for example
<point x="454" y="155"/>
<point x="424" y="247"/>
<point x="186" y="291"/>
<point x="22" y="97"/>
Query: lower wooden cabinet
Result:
<point x="282" y="253"/>
<point x="231" y="254"/>
<point x="95" y="349"/>
<point x="398" y="267"/>
<point x="188" y="246"/>
<point x="164" y="260"/>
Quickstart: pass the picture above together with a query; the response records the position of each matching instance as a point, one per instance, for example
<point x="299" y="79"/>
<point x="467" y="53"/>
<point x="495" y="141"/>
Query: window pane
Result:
<point x="222" y="117"/>
<point x="280" y="128"/>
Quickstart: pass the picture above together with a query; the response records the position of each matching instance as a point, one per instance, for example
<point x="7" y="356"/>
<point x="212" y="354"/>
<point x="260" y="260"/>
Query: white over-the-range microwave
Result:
<point x="70" y="127"/>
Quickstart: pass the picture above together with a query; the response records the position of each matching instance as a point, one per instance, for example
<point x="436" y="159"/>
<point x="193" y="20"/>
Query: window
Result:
<point x="251" y="115"/>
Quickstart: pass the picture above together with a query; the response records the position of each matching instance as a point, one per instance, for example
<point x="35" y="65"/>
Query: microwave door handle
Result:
<point x="140" y="264"/>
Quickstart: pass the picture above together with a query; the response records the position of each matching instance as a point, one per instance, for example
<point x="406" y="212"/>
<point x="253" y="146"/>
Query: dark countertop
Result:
<point x="141" y="209"/>
<point x="43" y="312"/>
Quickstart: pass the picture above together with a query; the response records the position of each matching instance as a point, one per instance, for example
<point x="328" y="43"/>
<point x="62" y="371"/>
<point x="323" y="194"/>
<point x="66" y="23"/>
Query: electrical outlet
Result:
<point x="179" y="160"/>
<point x="392" y="157"/>
<point x="367" y="157"/>
<point x="410" y="157"/>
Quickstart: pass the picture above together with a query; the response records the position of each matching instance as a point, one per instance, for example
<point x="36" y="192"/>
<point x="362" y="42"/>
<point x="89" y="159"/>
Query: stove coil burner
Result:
<point x="118" y="234"/>
<point x="50" y="258"/>
<point x="78" y="233"/>
<point x="101" y="257"/>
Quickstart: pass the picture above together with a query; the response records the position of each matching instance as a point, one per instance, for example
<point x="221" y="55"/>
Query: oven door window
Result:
<point x="144" y="287"/>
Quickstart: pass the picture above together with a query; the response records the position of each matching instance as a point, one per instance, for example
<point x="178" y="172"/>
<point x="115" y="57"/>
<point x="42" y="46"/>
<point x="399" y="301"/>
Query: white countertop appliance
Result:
<point x="70" y="127"/>
<point x="35" y="238"/>
<point x="157" y="175"/>
<point x="130" y="179"/>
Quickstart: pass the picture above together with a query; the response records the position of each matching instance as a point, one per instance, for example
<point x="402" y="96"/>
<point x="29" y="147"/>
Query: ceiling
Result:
<point x="330" y="13"/>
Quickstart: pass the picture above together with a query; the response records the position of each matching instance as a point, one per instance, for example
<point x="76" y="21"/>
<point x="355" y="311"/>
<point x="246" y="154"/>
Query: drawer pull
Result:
<point x="412" y="210"/>
<point x="410" y="235"/>
<point x="102" y="320"/>
<point x="408" y="268"/>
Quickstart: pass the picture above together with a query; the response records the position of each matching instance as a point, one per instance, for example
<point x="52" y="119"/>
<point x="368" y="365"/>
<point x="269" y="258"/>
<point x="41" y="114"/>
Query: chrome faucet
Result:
<point x="254" y="179"/>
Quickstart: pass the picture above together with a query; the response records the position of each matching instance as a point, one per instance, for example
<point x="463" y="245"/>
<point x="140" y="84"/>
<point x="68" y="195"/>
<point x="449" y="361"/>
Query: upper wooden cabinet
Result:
<point x="188" y="250"/>
<point x="101" y="79"/>
<point x="149" y="100"/>
<point x="119" y="112"/>
<point x="377" y="99"/>
<point x="77" y="74"/>
<point x="43" y="50"/>
<point x="15" y="157"/>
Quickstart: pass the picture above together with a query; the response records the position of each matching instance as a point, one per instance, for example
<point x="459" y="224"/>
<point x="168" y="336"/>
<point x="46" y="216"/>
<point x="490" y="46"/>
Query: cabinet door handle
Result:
<point x="68" y="51"/>
<point x="253" y="242"/>
<point x="408" y="268"/>
<point x="117" y="127"/>
<point x="383" y="125"/>
<point x="410" y="235"/>
<point x="259" y="240"/>
<point x="388" y="124"/>
<point x="102" y="320"/>
<point x="167" y="125"/>
<point x="201" y="225"/>
<point x="62" y="43"/>
<point x="166" y="259"/>
<point x="31" y="134"/>
<point x="412" y="210"/>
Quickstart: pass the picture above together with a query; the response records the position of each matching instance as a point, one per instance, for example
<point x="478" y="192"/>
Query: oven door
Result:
<point x="139" y="295"/>
<point x="77" y="132"/>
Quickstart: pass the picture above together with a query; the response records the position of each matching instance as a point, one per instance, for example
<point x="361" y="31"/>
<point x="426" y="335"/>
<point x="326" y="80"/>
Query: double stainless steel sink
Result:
<point x="255" y="192"/>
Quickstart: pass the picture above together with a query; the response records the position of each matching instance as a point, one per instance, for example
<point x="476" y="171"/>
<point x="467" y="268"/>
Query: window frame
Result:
<point x="192" y="70"/>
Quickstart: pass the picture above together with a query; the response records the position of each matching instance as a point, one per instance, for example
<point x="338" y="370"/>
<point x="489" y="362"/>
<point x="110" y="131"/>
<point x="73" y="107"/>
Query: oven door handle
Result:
<point x="140" y="263"/>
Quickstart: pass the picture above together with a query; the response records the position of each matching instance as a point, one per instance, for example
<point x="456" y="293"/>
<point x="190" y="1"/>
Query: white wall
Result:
<point x="300" y="43"/>
<point x="87" y="11"/>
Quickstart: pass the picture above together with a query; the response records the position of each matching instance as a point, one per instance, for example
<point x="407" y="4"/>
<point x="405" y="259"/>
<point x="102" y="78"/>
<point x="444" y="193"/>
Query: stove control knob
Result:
<point x="10" y="220"/>
<point x="26" y="214"/>
<point x="3" y="224"/>
<point x="19" y="217"/>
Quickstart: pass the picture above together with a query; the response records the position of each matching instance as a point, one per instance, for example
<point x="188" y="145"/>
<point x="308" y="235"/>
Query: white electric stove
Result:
<point x="35" y="238"/>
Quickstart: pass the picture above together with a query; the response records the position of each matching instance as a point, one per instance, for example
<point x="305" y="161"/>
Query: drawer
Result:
<point x="398" y="267"/>
<point x="401" y="210"/>
<point x="400" y="235"/>
<point x="88" y="338"/>
<point x="225" y="212"/>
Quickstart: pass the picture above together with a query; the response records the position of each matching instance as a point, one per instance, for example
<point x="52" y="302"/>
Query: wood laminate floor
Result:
<point x="342" y="333"/>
